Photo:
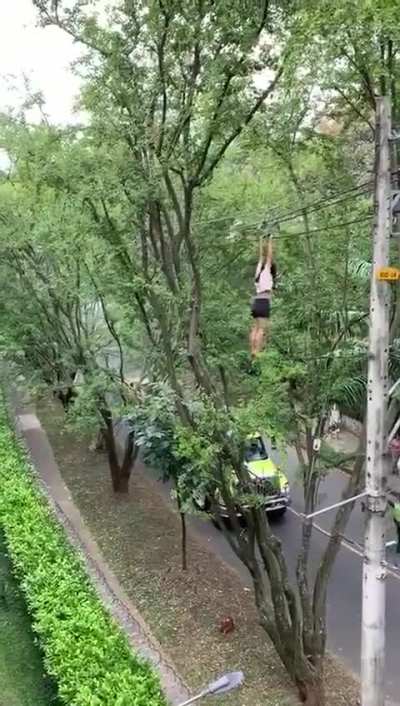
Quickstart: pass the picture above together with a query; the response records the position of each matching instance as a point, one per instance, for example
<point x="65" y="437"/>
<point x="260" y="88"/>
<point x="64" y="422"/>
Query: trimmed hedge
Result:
<point x="83" y="648"/>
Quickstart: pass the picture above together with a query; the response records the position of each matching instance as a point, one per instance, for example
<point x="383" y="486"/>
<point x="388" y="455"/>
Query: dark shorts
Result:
<point x="260" y="308"/>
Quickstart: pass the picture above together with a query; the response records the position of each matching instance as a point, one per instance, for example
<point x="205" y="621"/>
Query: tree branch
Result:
<point x="352" y="105"/>
<point x="246" y="120"/>
<point x="161" y="69"/>
<point x="342" y="516"/>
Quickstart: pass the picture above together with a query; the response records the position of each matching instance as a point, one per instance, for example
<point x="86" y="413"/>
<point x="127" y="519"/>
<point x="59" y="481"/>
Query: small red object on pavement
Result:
<point x="226" y="625"/>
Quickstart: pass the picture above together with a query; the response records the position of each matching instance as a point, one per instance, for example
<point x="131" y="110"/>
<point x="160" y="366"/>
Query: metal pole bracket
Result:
<point x="376" y="503"/>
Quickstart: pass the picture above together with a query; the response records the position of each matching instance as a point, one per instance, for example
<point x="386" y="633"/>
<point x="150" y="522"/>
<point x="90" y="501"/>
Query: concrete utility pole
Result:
<point x="374" y="589"/>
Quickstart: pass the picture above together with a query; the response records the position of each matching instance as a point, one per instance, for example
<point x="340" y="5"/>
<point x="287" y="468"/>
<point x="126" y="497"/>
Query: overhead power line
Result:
<point x="301" y="234"/>
<point x="282" y="203"/>
<point x="314" y="231"/>
<point x="325" y="202"/>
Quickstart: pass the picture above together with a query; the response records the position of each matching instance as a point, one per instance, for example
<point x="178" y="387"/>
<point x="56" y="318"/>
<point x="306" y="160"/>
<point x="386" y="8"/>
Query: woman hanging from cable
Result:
<point x="261" y="304"/>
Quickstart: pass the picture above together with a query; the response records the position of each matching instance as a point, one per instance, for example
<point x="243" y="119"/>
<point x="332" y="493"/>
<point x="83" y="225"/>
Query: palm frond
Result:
<point x="360" y="269"/>
<point x="350" y="393"/>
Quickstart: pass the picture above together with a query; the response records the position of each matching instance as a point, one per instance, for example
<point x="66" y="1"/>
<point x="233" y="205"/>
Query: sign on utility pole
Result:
<point x="374" y="589"/>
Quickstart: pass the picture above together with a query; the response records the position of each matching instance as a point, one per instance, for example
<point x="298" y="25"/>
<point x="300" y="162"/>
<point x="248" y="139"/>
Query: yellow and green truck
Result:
<point x="267" y="483"/>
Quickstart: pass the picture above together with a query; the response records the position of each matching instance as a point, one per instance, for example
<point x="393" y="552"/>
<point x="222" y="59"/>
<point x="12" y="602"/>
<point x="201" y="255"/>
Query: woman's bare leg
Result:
<point x="262" y="330"/>
<point x="253" y="338"/>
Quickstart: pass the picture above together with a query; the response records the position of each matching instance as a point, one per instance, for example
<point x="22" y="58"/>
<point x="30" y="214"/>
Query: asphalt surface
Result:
<point x="344" y="595"/>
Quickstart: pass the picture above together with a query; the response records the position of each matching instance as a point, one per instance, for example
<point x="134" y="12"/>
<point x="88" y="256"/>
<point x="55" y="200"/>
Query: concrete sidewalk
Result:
<point x="107" y="585"/>
<point x="346" y="442"/>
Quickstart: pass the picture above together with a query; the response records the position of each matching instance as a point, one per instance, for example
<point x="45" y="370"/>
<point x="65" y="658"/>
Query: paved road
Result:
<point x="344" y="595"/>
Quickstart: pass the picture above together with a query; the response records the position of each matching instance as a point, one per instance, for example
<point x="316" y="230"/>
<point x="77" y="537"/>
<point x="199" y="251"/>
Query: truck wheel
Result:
<point x="277" y="514"/>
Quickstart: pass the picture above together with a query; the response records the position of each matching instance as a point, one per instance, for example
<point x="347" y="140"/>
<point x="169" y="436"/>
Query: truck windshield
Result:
<point x="255" y="450"/>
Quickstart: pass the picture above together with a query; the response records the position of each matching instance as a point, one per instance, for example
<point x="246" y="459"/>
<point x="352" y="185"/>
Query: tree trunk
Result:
<point x="66" y="393"/>
<point x="311" y="693"/>
<point x="306" y="671"/>
<point x="183" y="533"/>
<point x="66" y="397"/>
<point x="112" y="456"/>
<point x="128" y="462"/>
<point x="120" y="472"/>
<point x="282" y="614"/>
<point x="184" y="543"/>
<point x="121" y="483"/>
<point x="98" y="443"/>
<point x="119" y="477"/>
<point x="115" y="472"/>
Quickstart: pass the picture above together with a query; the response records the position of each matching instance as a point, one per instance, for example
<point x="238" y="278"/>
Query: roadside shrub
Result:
<point x="83" y="648"/>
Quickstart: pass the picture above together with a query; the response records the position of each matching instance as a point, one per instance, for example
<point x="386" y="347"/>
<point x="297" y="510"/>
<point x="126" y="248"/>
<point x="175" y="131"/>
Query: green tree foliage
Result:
<point x="155" y="428"/>
<point x="56" y="325"/>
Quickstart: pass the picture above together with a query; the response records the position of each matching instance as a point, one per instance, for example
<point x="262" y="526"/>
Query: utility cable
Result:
<point x="318" y="206"/>
<point x="362" y="188"/>
<point x="326" y="202"/>
<point x="314" y="231"/>
<point x="280" y="234"/>
<point x="358" y="547"/>
<point x="285" y="235"/>
<point x="282" y="202"/>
